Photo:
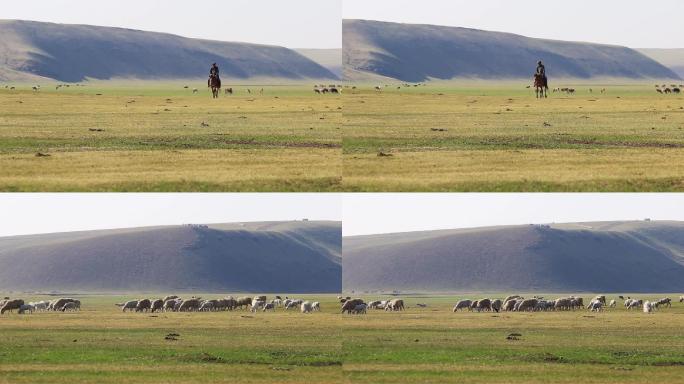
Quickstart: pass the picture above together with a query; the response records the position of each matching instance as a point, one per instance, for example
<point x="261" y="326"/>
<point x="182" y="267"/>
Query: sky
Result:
<point x="291" y="23"/>
<point x="374" y="213"/>
<point x="23" y="214"/>
<point x="633" y="23"/>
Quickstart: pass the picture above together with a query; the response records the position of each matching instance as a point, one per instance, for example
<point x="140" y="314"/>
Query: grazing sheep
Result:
<point x="612" y="304"/>
<point x="306" y="307"/>
<point x="349" y="305"/>
<point x="395" y="305"/>
<point x="462" y="304"/>
<point x="206" y="306"/>
<point x="648" y="306"/>
<point x="667" y="302"/>
<point x="189" y="305"/>
<point x="315" y="306"/>
<point x="562" y="304"/>
<point x="374" y="304"/>
<point x="526" y="305"/>
<point x="256" y="305"/>
<point x="243" y="302"/>
<point x="496" y="305"/>
<point x="40" y="306"/>
<point x="360" y="309"/>
<point x="681" y="299"/>
<point x="157" y="305"/>
<point x="70" y="306"/>
<point x="58" y="304"/>
<point x="130" y="305"/>
<point x="595" y="306"/>
<point x="11" y="305"/>
<point x="483" y="305"/>
<point x="26" y="308"/>
<point x="170" y="305"/>
<point x="144" y="305"/>
<point x="269" y="306"/>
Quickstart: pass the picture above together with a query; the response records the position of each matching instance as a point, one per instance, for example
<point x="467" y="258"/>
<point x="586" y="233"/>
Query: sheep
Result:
<point x="259" y="298"/>
<point x="612" y="304"/>
<point x="527" y="305"/>
<point x="648" y="306"/>
<point x="157" y="305"/>
<point x="509" y="305"/>
<point x="170" y="305"/>
<point x="243" y="302"/>
<point x="496" y="305"/>
<point x="374" y="304"/>
<point x="360" y="309"/>
<point x="206" y="306"/>
<point x="167" y="298"/>
<point x="601" y="298"/>
<point x="269" y="306"/>
<point x="483" y="305"/>
<point x="315" y="306"/>
<point x="256" y="305"/>
<point x="277" y="302"/>
<point x="143" y="305"/>
<point x="26" y="308"/>
<point x="563" y="304"/>
<point x="395" y="305"/>
<point x="70" y="306"/>
<point x="194" y="90"/>
<point x="667" y="302"/>
<point x="11" y="305"/>
<point x="595" y="306"/>
<point x="189" y="305"/>
<point x="130" y="305"/>
<point x="462" y="304"/>
<point x="349" y="305"/>
<point x="40" y="306"/>
<point x="56" y="305"/>
<point x="512" y="297"/>
<point x="681" y="299"/>
<point x="290" y="305"/>
<point x="306" y="307"/>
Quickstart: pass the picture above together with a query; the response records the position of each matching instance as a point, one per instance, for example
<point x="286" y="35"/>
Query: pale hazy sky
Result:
<point x="290" y="23"/>
<point x="45" y="213"/>
<point x="387" y="213"/>
<point x="634" y="23"/>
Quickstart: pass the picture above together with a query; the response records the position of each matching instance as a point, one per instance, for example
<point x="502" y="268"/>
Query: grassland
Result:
<point x="428" y="345"/>
<point x="162" y="137"/>
<point x="494" y="137"/>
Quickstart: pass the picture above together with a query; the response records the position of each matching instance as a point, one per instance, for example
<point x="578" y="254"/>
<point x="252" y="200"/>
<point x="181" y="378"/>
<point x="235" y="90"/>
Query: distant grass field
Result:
<point x="427" y="345"/>
<point x="162" y="137"/>
<point x="491" y="137"/>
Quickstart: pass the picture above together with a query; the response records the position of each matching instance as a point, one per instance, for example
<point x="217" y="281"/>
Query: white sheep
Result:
<point x="648" y="306"/>
<point x="306" y="307"/>
<point x="316" y="306"/>
<point x="612" y="304"/>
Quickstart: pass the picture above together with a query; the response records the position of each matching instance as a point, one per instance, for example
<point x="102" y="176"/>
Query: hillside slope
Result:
<point x="598" y="257"/>
<point x="73" y="53"/>
<point x="331" y="59"/>
<point x="256" y="257"/>
<point x="411" y="52"/>
<point x="671" y="58"/>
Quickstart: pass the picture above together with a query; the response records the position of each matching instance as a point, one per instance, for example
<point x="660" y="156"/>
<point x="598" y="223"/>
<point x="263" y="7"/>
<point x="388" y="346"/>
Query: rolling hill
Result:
<point x="331" y="59"/>
<point x="414" y="53"/>
<point x="73" y="53"/>
<point x="299" y="256"/>
<point x="596" y="257"/>
<point x="671" y="58"/>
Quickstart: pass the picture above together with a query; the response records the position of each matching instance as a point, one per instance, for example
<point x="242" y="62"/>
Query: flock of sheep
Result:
<point x="517" y="303"/>
<point x="513" y="303"/>
<point x="62" y="305"/>
<point x="197" y="304"/>
<point x="672" y="89"/>
<point x="359" y="306"/>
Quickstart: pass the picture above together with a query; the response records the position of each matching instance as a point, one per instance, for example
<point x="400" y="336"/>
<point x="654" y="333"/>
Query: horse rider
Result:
<point x="541" y="71"/>
<point x="214" y="72"/>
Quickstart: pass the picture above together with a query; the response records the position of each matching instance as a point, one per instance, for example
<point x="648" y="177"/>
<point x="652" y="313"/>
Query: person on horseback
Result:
<point x="541" y="71"/>
<point x="214" y="73"/>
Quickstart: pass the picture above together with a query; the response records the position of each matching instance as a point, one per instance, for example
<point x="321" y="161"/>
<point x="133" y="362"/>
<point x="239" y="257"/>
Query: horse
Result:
<point x="215" y="84"/>
<point x="541" y="86"/>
